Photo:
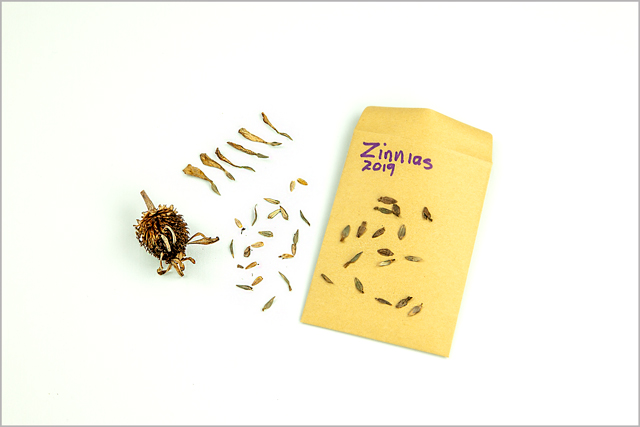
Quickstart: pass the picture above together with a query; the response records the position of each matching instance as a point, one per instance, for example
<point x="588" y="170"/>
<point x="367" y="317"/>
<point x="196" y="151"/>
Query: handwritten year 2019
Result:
<point x="389" y="159"/>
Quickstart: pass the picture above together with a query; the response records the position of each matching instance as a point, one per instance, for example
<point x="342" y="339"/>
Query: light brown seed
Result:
<point x="352" y="260"/>
<point x="385" y="252"/>
<point x="292" y="185"/>
<point x="293" y="249"/>
<point x="208" y="161"/>
<point x="247" y="151"/>
<point x="255" y="138"/>
<point x="258" y="280"/>
<point x="295" y="237"/>
<point x="345" y="233"/>
<point x="362" y="229"/>
<point x="255" y="215"/>
<point x="413" y="258"/>
<point x="326" y="279"/>
<point x="415" y="310"/>
<point x="383" y="301"/>
<point x="268" y="304"/>
<point x="396" y="209"/>
<point x="402" y="232"/>
<point x="382" y="210"/>
<point x="285" y="215"/>
<point x="426" y="214"/>
<point x="285" y="256"/>
<point x="302" y="181"/>
<point x="274" y="213"/>
<point x="194" y="171"/>
<point x="224" y="159"/>
<point x="386" y="262"/>
<point x="387" y="200"/>
<point x="286" y="280"/>
<point x="247" y="252"/>
<point x="403" y="302"/>
<point x="253" y="264"/>
<point x="238" y="223"/>
<point x="239" y="266"/>
<point x="245" y="287"/>
<point x="266" y="120"/>
<point x="358" y="285"/>
<point x="257" y="245"/>
<point x="231" y="249"/>
<point x="266" y="233"/>
<point x="378" y="233"/>
<point x="304" y="219"/>
<point x="273" y="201"/>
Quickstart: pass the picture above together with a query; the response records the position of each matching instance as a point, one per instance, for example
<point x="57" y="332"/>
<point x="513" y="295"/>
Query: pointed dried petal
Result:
<point x="266" y="120"/>
<point x="326" y="279"/>
<point x="345" y="233"/>
<point x="247" y="151"/>
<point x="304" y="219"/>
<point x="204" y="241"/>
<point x="224" y="159"/>
<point x="268" y="304"/>
<point x="415" y="310"/>
<point x="194" y="171"/>
<point x="358" y="285"/>
<point x="208" y="161"/>
<point x="254" y="138"/>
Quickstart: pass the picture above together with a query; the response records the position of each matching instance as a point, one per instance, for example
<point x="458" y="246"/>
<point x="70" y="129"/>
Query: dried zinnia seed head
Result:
<point x="165" y="235"/>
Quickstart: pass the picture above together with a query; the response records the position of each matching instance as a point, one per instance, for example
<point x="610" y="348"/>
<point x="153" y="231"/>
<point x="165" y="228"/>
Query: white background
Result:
<point x="100" y="101"/>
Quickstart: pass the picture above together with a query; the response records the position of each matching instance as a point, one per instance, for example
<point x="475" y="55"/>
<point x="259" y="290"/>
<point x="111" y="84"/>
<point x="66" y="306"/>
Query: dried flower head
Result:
<point x="165" y="235"/>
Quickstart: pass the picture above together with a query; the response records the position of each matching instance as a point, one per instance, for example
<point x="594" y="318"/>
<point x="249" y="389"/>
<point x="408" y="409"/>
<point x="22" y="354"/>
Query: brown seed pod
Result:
<point x="165" y="235"/>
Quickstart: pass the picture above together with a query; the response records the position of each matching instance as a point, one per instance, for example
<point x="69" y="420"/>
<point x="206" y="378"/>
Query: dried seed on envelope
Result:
<point x="383" y="301"/>
<point x="402" y="232"/>
<point x="426" y="214"/>
<point x="403" y="302"/>
<point x="385" y="252"/>
<point x="387" y="200"/>
<point x="386" y="262"/>
<point x="415" y="310"/>
<point x="382" y="210"/>
<point x="378" y="233"/>
<point x="326" y="279"/>
<point x="413" y="258"/>
<point x="362" y="229"/>
<point x="396" y="209"/>
<point x="345" y="233"/>
<point x="358" y="285"/>
<point x="352" y="260"/>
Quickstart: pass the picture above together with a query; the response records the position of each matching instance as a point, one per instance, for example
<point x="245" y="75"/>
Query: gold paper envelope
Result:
<point x="422" y="159"/>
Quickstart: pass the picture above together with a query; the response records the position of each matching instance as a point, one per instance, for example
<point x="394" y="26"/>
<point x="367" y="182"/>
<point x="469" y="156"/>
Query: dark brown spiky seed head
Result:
<point x="163" y="231"/>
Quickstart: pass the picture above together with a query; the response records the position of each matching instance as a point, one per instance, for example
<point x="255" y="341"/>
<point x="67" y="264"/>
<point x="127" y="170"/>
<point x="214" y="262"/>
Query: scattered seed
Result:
<point x="274" y="201"/>
<point x="231" y="249"/>
<point x="387" y="200"/>
<point x="403" y="302"/>
<point x="402" y="231"/>
<point x="326" y="279"/>
<point x="247" y="251"/>
<point x="208" y="161"/>
<point x="255" y="215"/>
<point x="285" y="215"/>
<point x="224" y="159"/>
<point x="382" y="210"/>
<point x="354" y="259"/>
<point x="396" y="209"/>
<point x="293" y="249"/>
<point x="258" y="280"/>
<point x="238" y="223"/>
<point x="383" y="301"/>
<point x="245" y="287"/>
<point x="413" y="258"/>
<point x="274" y="213"/>
<point x="268" y="304"/>
<point x="362" y="229"/>
<point x="266" y="233"/>
<point x="386" y="262"/>
<point x="253" y="264"/>
<point x="266" y="120"/>
<point x="194" y="171"/>
<point x="247" y="151"/>
<point x="358" y="285"/>
<point x="295" y="237"/>
<point x="304" y="219"/>
<point x="385" y="252"/>
<point x="426" y="214"/>
<point x="239" y="266"/>
<point x="415" y="310"/>
<point x="378" y="233"/>
<point x="286" y="280"/>
<point x="292" y="185"/>
<point x="285" y="256"/>
<point x="257" y="245"/>
<point x="302" y="181"/>
<point x="254" y="138"/>
<point x="345" y="233"/>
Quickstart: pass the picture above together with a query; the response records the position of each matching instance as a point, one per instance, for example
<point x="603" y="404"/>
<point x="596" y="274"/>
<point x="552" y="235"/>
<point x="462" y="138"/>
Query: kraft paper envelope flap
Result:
<point x="421" y="158"/>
